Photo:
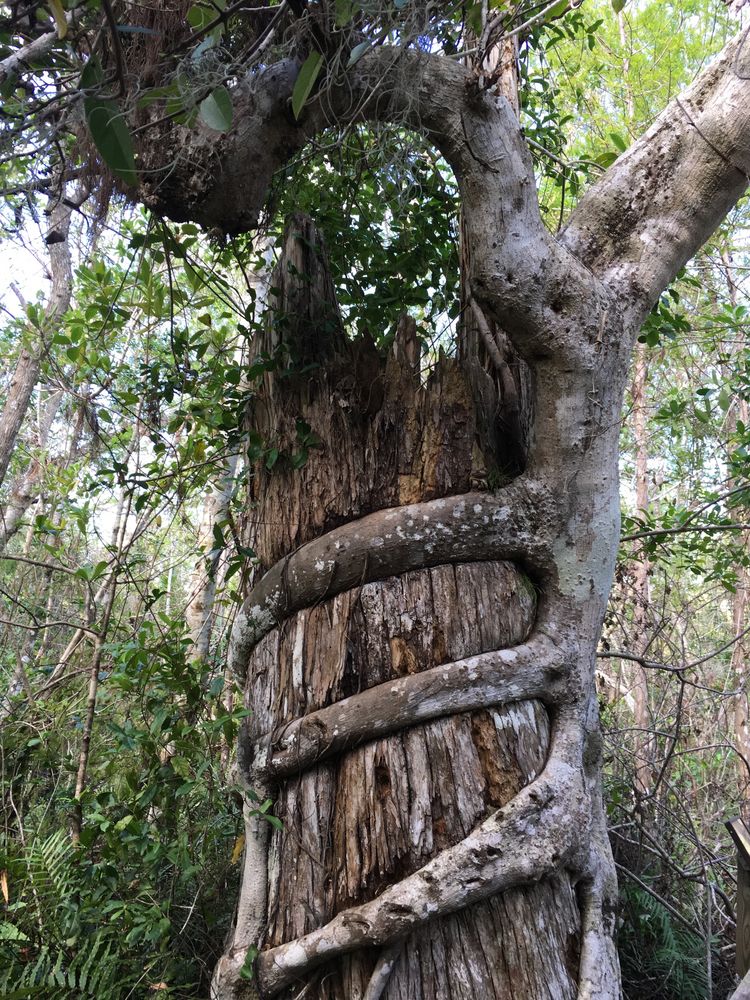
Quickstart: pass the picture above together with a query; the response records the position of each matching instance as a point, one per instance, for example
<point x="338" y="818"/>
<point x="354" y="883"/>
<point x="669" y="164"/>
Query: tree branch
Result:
<point x="382" y="971"/>
<point x="14" y="64"/>
<point x="539" y="668"/>
<point x="652" y="210"/>
<point x="516" y="524"/>
<point x="519" y="270"/>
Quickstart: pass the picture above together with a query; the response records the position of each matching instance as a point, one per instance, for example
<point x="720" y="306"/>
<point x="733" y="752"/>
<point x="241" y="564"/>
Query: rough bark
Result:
<point x="407" y="655"/>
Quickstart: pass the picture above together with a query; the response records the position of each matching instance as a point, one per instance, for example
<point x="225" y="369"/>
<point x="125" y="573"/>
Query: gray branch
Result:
<point x="516" y="524"/>
<point x="662" y="199"/>
<point x="539" y="668"/>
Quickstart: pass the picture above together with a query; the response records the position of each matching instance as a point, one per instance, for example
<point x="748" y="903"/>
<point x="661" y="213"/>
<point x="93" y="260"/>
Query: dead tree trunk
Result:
<point x="369" y="815"/>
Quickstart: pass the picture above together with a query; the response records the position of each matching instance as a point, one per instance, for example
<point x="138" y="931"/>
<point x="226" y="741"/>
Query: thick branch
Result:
<point x="250" y="919"/>
<point x="530" y="838"/>
<point x="664" y="197"/>
<point x="516" y="524"/>
<point x="519" y="270"/>
<point x="425" y="92"/>
<point x="539" y="668"/>
<point x="15" y="64"/>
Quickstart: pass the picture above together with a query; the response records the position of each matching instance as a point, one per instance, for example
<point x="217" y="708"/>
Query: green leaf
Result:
<point x="344" y="12"/>
<point x="58" y="12"/>
<point x="617" y="5"/>
<point x="216" y="110"/>
<point x="357" y="52"/>
<point x="8" y="86"/>
<point x="305" y="82"/>
<point x="247" y="971"/>
<point x="474" y="17"/>
<point x="92" y="74"/>
<point x="618" y="141"/>
<point x="606" y="159"/>
<point x="183" y="116"/>
<point x="181" y="766"/>
<point x="157" y="94"/>
<point x="199" y="16"/>
<point x="234" y="567"/>
<point x="111" y="136"/>
<point x="100" y="569"/>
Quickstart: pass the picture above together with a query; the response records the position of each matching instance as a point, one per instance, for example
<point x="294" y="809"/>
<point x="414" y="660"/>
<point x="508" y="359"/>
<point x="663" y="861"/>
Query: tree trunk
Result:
<point x="376" y="438"/>
<point x="644" y="741"/>
<point x="27" y="369"/>
<point x="202" y="584"/>
<point x="740" y="412"/>
<point x="26" y="489"/>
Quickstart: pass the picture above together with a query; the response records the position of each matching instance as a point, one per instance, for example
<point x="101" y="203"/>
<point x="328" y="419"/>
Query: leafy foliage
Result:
<point x="659" y="956"/>
<point x="47" y="948"/>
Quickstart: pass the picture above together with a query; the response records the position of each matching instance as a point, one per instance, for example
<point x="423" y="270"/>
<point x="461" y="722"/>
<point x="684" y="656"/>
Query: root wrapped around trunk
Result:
<point x="421" y="709"/>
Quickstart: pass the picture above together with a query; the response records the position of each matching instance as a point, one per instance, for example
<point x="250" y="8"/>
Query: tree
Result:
<point x="371" y="647"/>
